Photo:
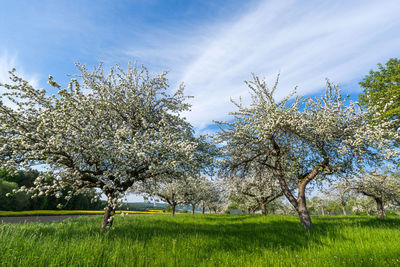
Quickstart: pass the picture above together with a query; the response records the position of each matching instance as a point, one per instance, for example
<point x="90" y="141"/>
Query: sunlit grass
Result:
<point x="70" y="212"/>
<point x="203" y="240"/>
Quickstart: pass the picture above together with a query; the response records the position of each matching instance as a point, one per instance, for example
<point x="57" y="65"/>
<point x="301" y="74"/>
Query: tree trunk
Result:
<point x="203" y="210"/>
<point x="300" y="203"/>
<point x="368" y="212"/>
<point x="108" y="217"/>
<point x="304" y="216"/>
<point x="379" y="208"/>
<point x="193" y="207"/>
<point x="322" y="211"/>
<point x="305" y="219"/>
<point x="263" y="209"/>
<point x="344" y="210"/>
<point x="173" y="209"/>
<point x="303" y="180"/>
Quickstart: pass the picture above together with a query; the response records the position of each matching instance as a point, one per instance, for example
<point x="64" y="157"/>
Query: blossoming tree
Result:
<point x="340" y="193"/>
<point x="105" y="131"/>
<point x="259" y="186"/>
<point x="383" y="188"/>
<point x="195" y="191"/>
<point x="169" y="190"/>
<point x="302" y="139"/>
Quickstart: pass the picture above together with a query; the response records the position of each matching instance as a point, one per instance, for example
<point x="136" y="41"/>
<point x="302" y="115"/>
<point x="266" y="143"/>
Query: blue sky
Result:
<point x="211" y="46"/>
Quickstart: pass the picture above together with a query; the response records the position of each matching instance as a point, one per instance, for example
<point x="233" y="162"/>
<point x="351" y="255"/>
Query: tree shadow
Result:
<point x="392" y="222"/>
<point x="223" y="233"/>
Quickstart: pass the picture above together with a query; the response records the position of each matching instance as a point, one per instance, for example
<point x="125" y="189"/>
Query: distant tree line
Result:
<point x="10" y="180"/>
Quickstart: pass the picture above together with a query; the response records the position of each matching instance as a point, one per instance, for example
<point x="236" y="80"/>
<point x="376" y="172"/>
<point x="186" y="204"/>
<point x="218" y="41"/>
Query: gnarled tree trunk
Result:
<point x="304" y="216"/>
<point x="173" y="206"/>
<point x="300" y="203"/>
<point x="379" y="208"/>
<point x="344" y="210"/>
<point x="108" y="217"/>
<point x="193" y="208"/>
<point x="263" y="208"/>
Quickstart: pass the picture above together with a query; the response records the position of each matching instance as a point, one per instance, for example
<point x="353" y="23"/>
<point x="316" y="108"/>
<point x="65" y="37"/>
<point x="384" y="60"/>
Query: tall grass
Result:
<point x="203" y="240"/>
<point x="71" y="212"/>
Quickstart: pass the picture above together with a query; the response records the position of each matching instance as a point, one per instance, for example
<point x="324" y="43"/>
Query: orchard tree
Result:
<point x="209" y="193"/>
<point x="363" y="204"/>
<point x="301" y="139"/>
<point x="214" y="197"/>
<point x="383" y="188"/>
<point x="168" y="189"/>
<point x="319" y="203"/>
<point x="382" y="90"/>
<point x="259" y="185"/>
<point x="195" y="191"/>
<point x="104" y="131"/>
<point x="340" y="193"/>
<point x="242" y="202"/>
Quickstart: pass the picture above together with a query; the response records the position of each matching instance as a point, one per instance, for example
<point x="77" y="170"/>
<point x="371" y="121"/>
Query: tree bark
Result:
<point x="203" y="210"/>
<point x="173" y="209"/>
<point x="108" y="217"/>
<point x="304" y="216"/>
<point x="193" y="207"/>
<point x="263" y="209"/>
<point x="300" y="203"/>
<point x="344" y="210"/>
<point x="379" y="208"/>
<point x="322" y="211"/>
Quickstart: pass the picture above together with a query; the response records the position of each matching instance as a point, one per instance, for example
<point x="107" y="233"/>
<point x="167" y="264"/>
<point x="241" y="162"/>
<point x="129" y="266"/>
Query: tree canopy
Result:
<point x="300" y="139"/>
<point x="104" y="131"/>
<point x="382" y="90"/>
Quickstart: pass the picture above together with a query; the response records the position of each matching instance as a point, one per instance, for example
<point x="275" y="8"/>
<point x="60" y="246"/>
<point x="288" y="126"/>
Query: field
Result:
<point x="203" y="240"/>
<point x="71" y="212"/>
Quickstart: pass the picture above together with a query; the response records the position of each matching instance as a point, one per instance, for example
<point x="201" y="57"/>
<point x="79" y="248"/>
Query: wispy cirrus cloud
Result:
<point x="8" y="62"/>
<point x="305" y="41"/>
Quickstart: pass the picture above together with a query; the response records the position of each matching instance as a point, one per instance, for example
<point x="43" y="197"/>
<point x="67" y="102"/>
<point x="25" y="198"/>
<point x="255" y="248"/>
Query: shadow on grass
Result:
<point x="219" y="232"/>
<point x="392" y="222"/>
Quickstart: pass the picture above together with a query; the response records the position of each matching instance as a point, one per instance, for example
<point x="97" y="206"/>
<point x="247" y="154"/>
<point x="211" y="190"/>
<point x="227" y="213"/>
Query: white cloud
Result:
<point x="7" y="63"/>
<point x="305" y="41"/>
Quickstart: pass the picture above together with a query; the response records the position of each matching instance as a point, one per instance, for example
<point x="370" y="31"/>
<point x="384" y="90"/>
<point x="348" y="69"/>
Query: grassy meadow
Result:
<point x="71" y="212"/>
<point x="203" y="240"/>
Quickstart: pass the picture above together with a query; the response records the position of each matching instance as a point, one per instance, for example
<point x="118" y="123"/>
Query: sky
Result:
<point x="211" y="46"/>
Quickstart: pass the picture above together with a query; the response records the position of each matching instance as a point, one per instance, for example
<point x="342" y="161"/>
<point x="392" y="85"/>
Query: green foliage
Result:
<point x="382" y="88"/>
<point x="22" y="178"/>
<point x="14" y="202"/>
<point x="10" y="180"/>
<point x="203" y="240"/>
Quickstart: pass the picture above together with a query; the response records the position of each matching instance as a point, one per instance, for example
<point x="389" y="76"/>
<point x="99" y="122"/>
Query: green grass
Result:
<point x="203" y="240"/>
<point x="70" y="212"/>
